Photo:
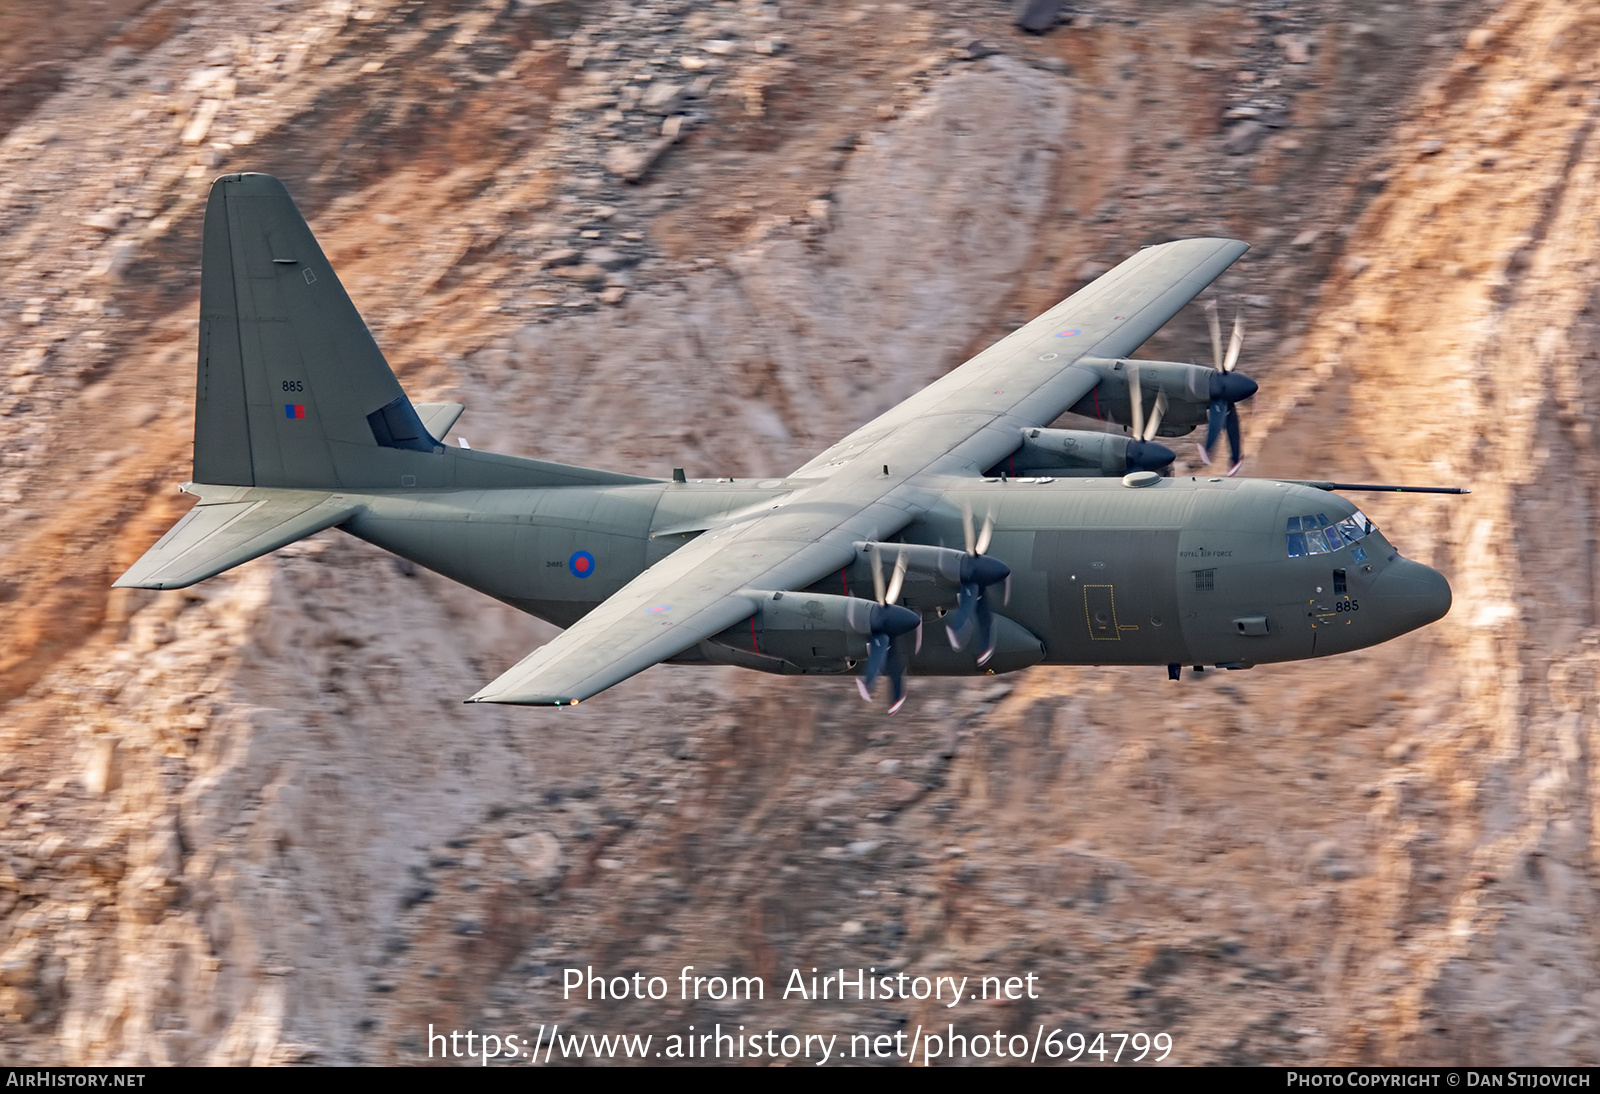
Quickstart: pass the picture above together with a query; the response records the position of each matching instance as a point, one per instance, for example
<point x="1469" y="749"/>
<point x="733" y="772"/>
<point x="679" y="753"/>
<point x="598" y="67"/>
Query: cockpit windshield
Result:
<point x="1316" y="535"/>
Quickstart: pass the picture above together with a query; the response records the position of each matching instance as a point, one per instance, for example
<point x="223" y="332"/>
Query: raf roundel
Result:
<point x="581" y="564"/>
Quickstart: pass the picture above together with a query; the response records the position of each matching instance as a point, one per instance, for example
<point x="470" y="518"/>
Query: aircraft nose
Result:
<point x="1412" y="595"/>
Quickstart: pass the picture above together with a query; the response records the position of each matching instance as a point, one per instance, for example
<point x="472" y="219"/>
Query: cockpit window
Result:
<point x="1359" y="522"/>
<point x="1315" y="534"/>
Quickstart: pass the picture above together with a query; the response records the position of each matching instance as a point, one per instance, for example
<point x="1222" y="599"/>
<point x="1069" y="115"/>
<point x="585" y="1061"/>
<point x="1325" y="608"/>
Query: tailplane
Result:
<point x="233" y="525"/>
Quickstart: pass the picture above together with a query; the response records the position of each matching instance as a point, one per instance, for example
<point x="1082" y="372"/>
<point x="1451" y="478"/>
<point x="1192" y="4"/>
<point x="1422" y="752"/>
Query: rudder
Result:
<point x="291" y="390"/>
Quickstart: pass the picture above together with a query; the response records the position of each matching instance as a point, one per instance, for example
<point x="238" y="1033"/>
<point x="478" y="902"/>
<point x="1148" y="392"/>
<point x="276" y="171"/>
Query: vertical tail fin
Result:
<point x="292" y="391"/>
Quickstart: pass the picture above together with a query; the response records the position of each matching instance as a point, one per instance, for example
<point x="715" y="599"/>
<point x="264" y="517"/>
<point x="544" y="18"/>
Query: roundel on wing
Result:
<point x="581" y="564"/>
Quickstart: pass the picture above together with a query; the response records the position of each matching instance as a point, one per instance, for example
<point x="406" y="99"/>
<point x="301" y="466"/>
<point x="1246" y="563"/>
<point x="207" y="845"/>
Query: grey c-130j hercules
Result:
<point x="958" y="513"/>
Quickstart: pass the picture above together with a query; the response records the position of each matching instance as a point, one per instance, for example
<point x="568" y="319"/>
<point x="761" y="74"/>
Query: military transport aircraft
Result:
<point x="958" y="513"/>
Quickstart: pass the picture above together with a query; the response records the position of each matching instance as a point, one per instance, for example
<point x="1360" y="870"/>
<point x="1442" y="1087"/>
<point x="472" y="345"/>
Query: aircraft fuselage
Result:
<point x="1200" y="571"/>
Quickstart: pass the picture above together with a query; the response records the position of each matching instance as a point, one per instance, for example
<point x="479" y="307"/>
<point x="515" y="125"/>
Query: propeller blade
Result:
<point x="966" y="526"/>
<point x="1007" y="601"/>
<point x="985" y="535"/>
<point x="1214" y="419"/>
<point x="1135" y="402"/>
<point x="1216" y="335"/>
<point x="877" y="576"/>
<point x="1235" y="344"/>
<point x="1155" y="417"/>
<point x="896" y="669"/>
<point x="986" y="630"/>
<point x="957" y="622"/>
<point x="877" y="659"/>
<point x="1234" y="446"/>
<point x="898" y="579"/>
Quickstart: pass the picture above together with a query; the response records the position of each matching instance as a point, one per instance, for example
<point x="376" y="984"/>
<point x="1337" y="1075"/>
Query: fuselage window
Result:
<point x="1315" y="544"/>
<point x="1339" y="586"/>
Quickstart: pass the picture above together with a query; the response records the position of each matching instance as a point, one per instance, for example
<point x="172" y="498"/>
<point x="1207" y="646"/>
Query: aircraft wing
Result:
<point x="233" y="524"/>
<point x="697" y="591"/>
<point x="1030" y="377"/>
<point x="860" y="488"/>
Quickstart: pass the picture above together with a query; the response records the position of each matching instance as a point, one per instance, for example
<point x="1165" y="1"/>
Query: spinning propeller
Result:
<point x="889" y="621"/>
<point x="1143" y="453"/>
<point x="1228" y="389"/>
<point x="979" y="574"/>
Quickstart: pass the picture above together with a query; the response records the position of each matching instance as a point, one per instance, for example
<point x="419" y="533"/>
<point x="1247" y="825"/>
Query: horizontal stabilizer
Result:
<point x="437" y="418"/>
<point x="233" y="525"/>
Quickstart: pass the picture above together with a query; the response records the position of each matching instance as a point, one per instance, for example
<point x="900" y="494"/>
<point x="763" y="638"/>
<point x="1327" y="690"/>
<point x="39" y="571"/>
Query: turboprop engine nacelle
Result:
<point x="805" y="633"/>
<point x="1188" y="391"/>
<point x="933" y="575"/>
<point x="1082" y="452"/>
<point x="814" y="632"/>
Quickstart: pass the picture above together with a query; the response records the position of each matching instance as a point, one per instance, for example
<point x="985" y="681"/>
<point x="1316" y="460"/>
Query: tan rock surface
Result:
<point x="251" y="822"/>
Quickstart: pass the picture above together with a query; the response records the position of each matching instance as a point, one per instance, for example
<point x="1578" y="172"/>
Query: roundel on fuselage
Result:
<point x="581" y="564"/>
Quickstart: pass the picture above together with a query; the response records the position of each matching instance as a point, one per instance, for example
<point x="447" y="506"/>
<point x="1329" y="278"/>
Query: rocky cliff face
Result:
<point x="251" y="821"/>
